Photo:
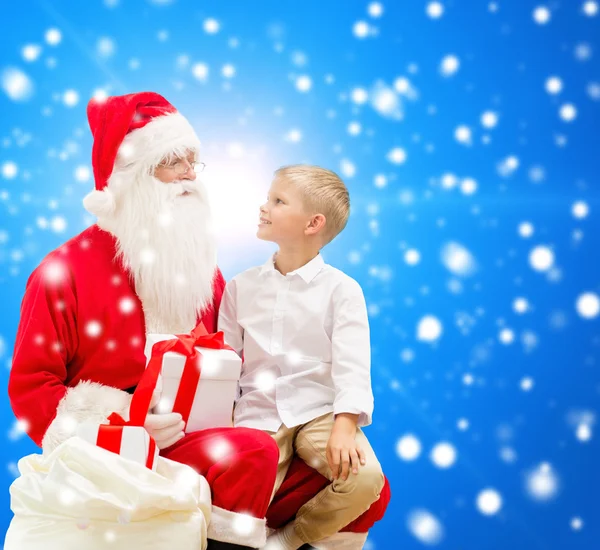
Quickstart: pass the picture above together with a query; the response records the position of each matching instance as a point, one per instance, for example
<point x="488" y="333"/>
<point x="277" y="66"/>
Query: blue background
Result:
<point x="509" y="436"/>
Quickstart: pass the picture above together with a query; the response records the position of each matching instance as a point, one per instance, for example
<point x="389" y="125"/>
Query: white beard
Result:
<point x="165" y="241"/>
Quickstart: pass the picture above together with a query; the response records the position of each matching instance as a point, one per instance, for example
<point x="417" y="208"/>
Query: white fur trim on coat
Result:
<point x="235" y="528"/>
<point x="86" y="401"/>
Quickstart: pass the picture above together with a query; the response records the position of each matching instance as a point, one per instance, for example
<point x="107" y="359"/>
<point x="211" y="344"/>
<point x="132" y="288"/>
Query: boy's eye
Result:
<point x="278" y="200"/>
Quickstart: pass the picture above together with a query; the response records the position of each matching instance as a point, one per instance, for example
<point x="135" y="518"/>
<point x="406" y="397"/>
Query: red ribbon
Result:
<point x="151" y="453"/>
<point x="110" y="437"/>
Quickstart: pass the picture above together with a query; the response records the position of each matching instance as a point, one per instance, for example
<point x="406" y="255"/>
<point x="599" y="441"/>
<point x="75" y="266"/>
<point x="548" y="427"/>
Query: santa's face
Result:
<point x="164" y="234"/>
<point x="177" y="169"/>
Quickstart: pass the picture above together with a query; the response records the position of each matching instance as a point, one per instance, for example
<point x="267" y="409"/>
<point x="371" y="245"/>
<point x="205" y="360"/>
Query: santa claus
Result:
<point x="147" y="266"/>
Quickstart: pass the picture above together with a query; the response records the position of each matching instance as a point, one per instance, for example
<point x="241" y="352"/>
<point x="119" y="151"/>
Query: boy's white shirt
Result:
<point x="305" y="342"/>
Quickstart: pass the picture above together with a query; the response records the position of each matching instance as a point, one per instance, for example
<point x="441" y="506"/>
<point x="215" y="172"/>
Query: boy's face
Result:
<point x="283" y="218"/>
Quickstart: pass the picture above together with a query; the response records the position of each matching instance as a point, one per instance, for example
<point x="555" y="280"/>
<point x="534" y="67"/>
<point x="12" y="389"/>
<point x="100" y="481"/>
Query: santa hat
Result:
<point x="135" y="129"/>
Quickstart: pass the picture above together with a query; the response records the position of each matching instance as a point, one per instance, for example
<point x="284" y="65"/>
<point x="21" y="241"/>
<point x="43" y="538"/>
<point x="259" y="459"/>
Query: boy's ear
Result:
<point x="316" y="224"/>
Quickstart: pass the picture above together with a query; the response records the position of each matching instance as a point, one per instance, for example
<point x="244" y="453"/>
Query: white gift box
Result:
<point x="217" y="388"/>
<point x="134" y="441"/>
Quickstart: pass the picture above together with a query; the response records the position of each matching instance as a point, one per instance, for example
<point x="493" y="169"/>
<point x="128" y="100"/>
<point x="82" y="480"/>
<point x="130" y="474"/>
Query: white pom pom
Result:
<point x="100" y="203"/>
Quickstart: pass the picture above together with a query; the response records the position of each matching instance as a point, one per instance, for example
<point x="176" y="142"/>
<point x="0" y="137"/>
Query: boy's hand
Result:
<point x="342" y="449"/>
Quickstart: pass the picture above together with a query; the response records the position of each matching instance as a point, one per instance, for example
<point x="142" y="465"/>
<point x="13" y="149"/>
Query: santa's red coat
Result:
<point x="82" y="320"/>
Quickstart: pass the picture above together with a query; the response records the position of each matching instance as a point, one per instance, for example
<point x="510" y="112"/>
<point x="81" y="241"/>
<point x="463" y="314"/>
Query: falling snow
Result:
<point x="473" y="226"/>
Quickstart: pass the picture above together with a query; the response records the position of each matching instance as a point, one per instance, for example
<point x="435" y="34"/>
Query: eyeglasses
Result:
<point x="181" y="167"/>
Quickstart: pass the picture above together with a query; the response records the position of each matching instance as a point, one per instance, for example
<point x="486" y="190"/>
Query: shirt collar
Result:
<point x="308" y="271"/>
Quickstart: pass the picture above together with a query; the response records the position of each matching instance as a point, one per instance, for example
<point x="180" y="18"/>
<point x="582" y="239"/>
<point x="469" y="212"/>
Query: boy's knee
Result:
<point x="371" y="479"/>
<point x="365" y="486"/>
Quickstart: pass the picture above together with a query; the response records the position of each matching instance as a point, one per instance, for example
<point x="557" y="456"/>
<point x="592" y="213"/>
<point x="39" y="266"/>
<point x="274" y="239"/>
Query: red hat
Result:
<point x="132" y="130"/>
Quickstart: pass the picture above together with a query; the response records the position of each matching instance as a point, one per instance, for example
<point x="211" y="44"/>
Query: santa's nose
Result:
<point x="189" y="175"/>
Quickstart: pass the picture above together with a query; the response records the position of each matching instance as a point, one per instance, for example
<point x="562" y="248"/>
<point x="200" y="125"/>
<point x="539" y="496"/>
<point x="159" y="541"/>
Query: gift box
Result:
<point x="199" y="378"/>
<point x="131" y="442"/>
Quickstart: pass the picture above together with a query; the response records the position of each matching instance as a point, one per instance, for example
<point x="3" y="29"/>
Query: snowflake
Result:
<point x="9" y="170"/>
<point x="70" y="98"/>
<point x="429" y="329"/>
<point x="211" y="26"/>
<point x="462" y="424"/>
<point x="375" y="9"/>
<point x="463" y="134"/>
<point x="105" y="47"/>
<point x="580" y="210"/>
<point x="347" y="168"/>
<point x="554" y="85"/>
<point x="200" y="71"/>
<point x="542" y="483"/>
<point x="489" y="119"/>
<point x="489" y="502"/>
<point x="359" y="96"/>
<point x="541" y="15"/>
<point x="93" y="329"/>
<point x="219" y="448"/>
<point x="354" y="128"/>
<point x="361" y="29"/>
<point x="568" y="112"/>
<point x="588" y="305"/>
<point x="408" y="447"/>
<point x="412" y="257"/>
<point x="386" y="102"/>
<point x="541" y="258"/>
<point x="425" y="527"/>
<point x="53" y="37"/>
<point x="443" y="455"/>
<point x="31" y="52"/>
<point x="397" y="155"/>
<point x="449" y="65"/>
<point x="303" y="83"/>
<point x="458" y="260"/>
<point x="435" y="10"/>
<point x="16" y="84"/>
<point x="576" y="524"/>
<point x="228" y="70"/>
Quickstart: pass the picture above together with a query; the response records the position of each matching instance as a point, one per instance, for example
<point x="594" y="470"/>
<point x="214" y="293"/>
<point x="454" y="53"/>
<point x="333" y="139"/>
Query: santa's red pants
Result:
<point x="240" y="466"/>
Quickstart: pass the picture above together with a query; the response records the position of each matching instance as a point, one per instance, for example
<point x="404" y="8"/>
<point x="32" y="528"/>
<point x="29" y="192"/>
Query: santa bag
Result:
<point x="200" y="375"/>
<point x="79" y="496"/>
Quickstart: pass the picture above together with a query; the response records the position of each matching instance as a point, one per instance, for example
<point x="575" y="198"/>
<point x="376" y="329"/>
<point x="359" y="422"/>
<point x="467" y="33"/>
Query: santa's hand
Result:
<point x="165" y="429"/>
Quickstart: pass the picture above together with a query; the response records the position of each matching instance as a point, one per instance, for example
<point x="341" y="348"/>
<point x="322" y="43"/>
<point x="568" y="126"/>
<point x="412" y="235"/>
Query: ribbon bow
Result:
<point x="185" y="344"/>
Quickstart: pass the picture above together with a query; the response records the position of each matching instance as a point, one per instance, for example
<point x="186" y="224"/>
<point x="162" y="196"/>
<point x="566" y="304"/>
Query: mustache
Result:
<point x="181" y="187"/>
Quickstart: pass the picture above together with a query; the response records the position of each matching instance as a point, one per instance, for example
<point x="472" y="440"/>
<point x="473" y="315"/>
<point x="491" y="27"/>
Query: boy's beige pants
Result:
<point x="341" y="501"/>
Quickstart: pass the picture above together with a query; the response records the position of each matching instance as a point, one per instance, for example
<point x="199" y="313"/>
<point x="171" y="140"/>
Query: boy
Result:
<point x="303" y="329"/>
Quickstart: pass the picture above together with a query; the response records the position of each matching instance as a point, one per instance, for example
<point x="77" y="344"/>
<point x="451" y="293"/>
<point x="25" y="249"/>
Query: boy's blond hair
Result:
<point x="322" y="192"/>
